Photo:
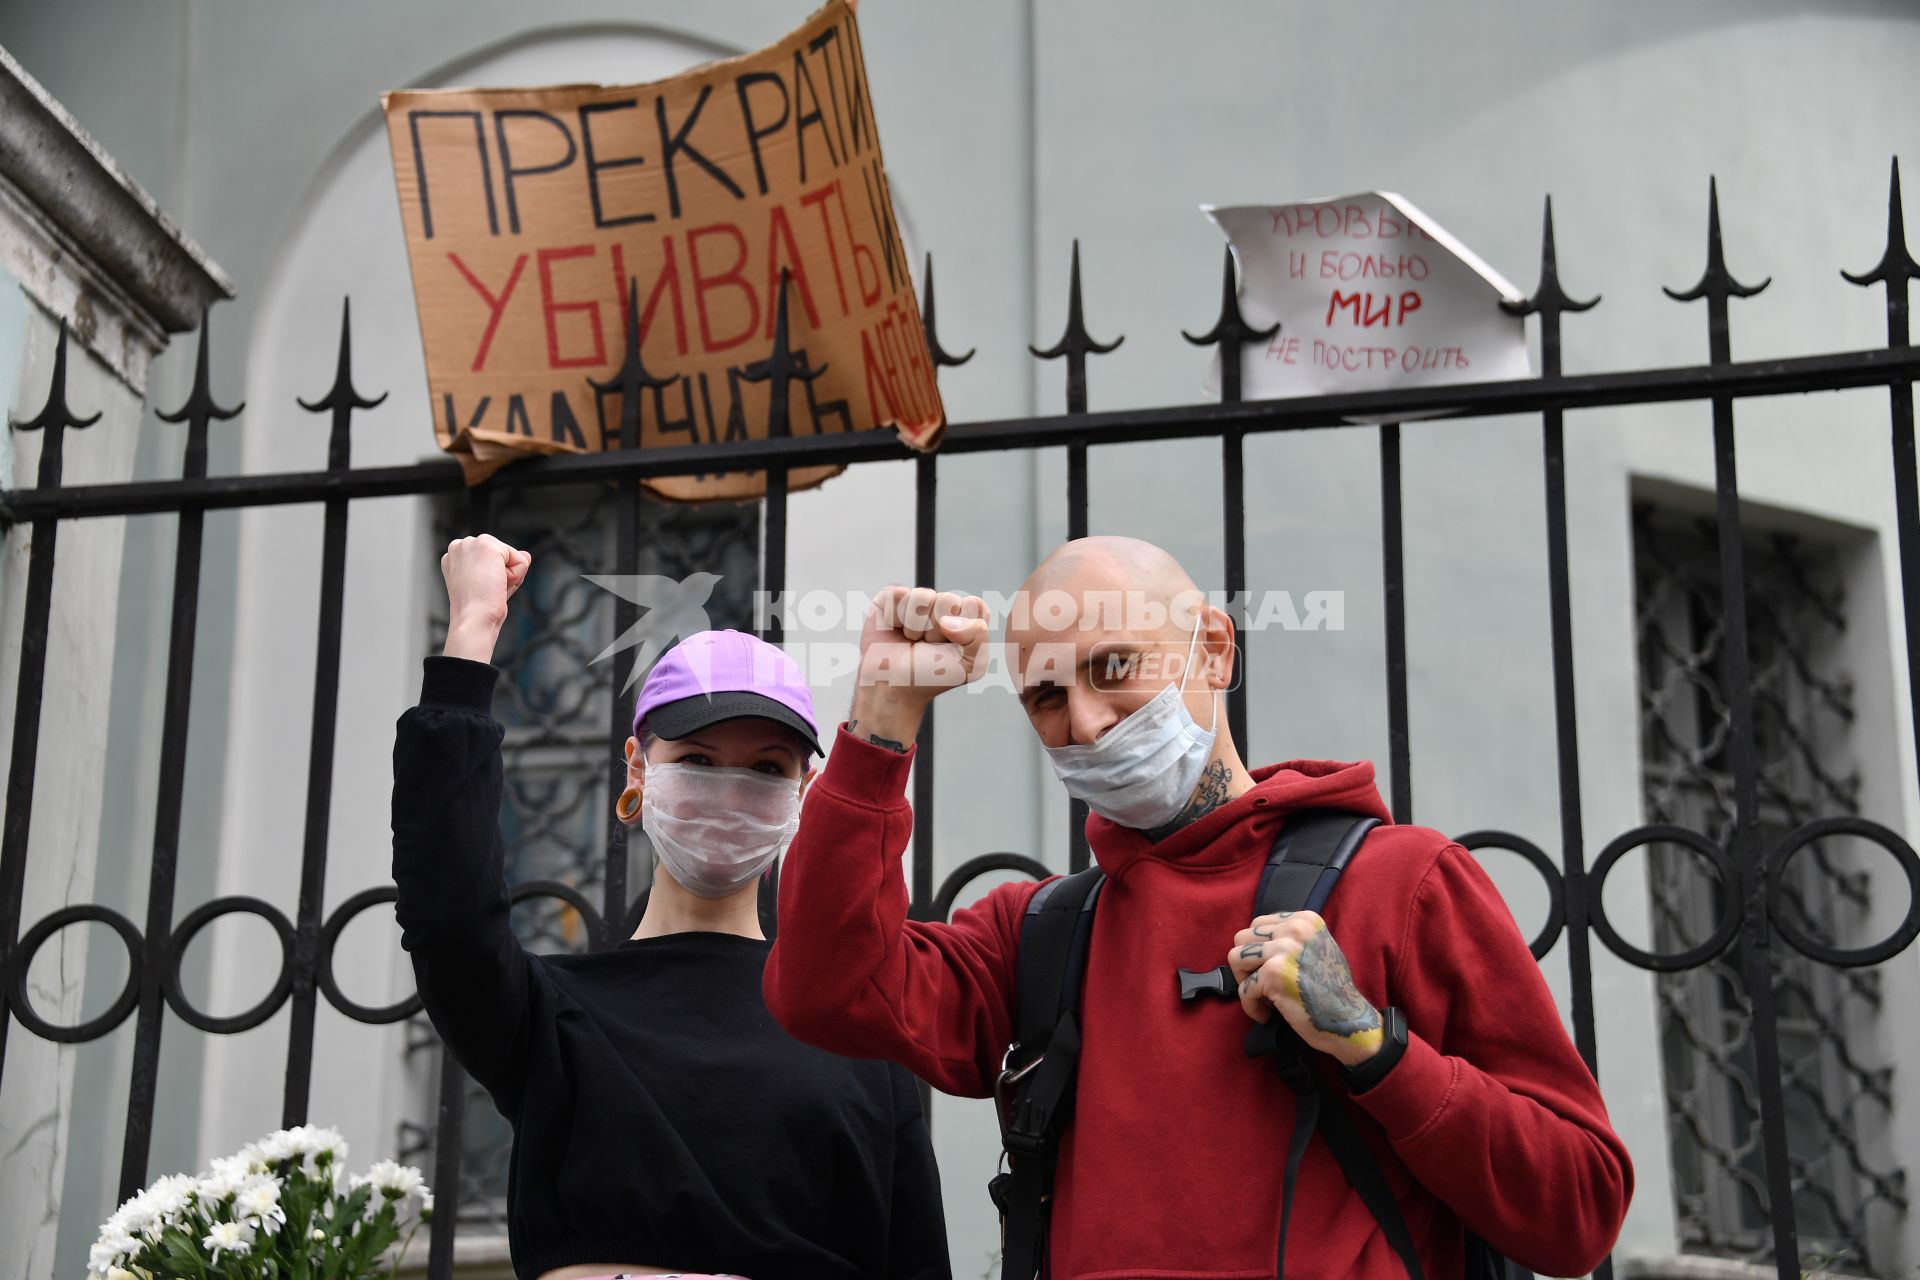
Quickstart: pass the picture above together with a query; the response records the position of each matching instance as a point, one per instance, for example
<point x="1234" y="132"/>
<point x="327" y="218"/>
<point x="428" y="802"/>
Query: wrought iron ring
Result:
<point x="199" y="918"/>
<point x="973" y="868"/>
<point x="23" y="953"/>
<point x="1858" y="957"/>
<point x="342" y="916"/>
<point x="1663" y="833"/>
<point x="1556" y="885"/>
<point x="565" y="893"/>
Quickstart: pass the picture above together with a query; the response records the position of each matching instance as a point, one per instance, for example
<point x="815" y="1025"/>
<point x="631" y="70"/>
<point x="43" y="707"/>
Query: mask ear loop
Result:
<point x="1186" y="669"/>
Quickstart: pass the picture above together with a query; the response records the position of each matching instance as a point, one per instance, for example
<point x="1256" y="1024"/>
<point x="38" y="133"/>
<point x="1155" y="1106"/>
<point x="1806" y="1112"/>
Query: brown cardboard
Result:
<point x="528" y="211"/>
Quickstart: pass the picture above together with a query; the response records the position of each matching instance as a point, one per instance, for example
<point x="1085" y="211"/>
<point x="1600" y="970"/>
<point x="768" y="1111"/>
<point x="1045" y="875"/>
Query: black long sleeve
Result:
<point x="661" y="1117"/>
<point x="913" y="1251"/>
<point x="449" y="868"/>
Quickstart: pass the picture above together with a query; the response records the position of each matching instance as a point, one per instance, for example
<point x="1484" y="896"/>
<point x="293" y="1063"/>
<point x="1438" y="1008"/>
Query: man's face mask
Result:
<point x="1140" y="772"/>
<point x="717" y="828"/>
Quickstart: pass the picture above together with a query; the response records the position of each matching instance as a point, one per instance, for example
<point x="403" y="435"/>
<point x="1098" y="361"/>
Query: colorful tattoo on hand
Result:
<point x="1332" y="1003"/>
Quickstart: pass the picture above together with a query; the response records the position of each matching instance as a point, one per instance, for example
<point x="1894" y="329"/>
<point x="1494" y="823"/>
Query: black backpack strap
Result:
<point x="1313" y="848"/>
<point x="1034" y="1091"/>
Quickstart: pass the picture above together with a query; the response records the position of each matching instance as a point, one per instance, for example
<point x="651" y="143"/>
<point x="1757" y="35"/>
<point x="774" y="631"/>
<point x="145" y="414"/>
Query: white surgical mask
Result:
<point x="1140" y="772"/>
<point x="716" y="828"/>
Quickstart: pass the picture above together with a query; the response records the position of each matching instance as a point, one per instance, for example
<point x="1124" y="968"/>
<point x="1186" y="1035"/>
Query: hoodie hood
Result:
<point x="1278" y="789"/>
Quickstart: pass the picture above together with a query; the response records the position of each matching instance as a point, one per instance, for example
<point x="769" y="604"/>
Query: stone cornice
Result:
<point x="78" y="188"/>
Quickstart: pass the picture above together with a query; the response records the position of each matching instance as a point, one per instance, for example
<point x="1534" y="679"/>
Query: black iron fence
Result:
<point x="1750" y="927"/>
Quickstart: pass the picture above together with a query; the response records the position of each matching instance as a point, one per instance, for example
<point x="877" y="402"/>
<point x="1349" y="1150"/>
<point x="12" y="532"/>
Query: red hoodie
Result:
<point x="1172" y="1163"/>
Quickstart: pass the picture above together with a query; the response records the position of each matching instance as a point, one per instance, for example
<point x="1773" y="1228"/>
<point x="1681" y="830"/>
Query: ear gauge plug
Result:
<point x="627" y="807"/>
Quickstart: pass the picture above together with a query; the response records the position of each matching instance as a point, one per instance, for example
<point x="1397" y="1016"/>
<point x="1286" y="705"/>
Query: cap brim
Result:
<point x="684" y="716"/>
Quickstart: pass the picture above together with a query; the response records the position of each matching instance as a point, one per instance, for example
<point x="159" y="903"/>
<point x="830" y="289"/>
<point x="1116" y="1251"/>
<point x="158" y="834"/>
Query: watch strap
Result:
<point x="1393" y="1044"/>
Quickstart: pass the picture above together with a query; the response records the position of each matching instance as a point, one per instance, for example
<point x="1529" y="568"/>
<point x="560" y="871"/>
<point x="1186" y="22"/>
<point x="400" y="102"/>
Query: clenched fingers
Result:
<point x="1265" y="958"/>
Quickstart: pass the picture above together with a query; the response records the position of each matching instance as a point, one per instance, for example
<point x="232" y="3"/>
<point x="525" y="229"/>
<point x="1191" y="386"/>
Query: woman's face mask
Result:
<point x="717" y="828"/>
<point x="1140" y="772"/>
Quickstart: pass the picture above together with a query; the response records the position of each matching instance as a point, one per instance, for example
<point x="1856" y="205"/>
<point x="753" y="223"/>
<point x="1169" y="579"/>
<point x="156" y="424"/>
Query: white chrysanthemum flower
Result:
<point x="110" y="1250"/>
<point x="228" y="1237"/>
<point x="259" y="1200"/>
<point x="395" y="1179"/>
<point x="134" y="1217"/>
<point x="426" y="1202"/>
<point x="169" y="1197"/>
<point x="228" y="1175"/>
<point x="276" y="1147"/>
<point x="317" y="1147"/>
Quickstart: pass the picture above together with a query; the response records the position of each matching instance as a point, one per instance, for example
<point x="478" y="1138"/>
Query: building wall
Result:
<point x="1010" y="128"/>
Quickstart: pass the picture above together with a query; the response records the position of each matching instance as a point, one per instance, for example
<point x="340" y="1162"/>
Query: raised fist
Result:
<point x="918" y="642"/>
<point x="481" y="573"/>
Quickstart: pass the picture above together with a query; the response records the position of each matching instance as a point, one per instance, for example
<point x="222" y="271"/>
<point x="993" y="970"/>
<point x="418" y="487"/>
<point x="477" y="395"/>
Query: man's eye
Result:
<point x="695" y="758"/>
<point x="767" y="766"/>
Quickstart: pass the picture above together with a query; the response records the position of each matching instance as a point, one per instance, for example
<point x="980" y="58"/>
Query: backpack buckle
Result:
<point x="1209" y="982"/>
<point x="1018" y="1131"/>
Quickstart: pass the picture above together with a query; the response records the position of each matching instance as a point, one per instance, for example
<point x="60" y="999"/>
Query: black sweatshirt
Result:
<point x="661" y="1117"/>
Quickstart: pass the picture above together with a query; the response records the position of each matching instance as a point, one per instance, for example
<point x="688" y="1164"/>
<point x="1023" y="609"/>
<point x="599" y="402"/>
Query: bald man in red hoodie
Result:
<point x="1171" y="1166"/>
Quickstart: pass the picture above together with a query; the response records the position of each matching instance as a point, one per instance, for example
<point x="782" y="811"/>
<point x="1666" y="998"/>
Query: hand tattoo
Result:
<point x="1263" y="931"/>
<point x="1253" y="951"/>
<point x="853" y="726"/>
<point x="1332" y="1003"/>
<point x="1209" y="794"/>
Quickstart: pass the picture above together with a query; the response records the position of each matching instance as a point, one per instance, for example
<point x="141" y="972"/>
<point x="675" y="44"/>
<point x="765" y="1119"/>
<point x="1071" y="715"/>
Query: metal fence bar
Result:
<point x="1896" y="269"/>
<point x="1839" y="371"/>
<point x="55" y="419"/>
<point x="1717" y="285"/>
<point x="1393" y="573"/>
<point x="1231" y="333"/>
<point x="1076" y="344"/>
<point x="1549" y="302"/>
<point x="163" y="960"/>
<point x="340" y="402"/>
<point x="629" y="382"/>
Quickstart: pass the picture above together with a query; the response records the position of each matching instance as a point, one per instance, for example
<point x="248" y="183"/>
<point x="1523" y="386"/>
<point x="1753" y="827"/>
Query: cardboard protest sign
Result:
<point x="529" y="211"/>
<point x="1369" y="293"/>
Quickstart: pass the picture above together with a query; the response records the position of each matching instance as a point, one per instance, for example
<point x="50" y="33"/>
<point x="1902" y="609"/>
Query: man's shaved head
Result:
<point x="1143" y="573"/>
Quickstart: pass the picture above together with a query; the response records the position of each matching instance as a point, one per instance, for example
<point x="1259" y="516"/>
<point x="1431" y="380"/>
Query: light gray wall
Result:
<point x="1012" y="127"/>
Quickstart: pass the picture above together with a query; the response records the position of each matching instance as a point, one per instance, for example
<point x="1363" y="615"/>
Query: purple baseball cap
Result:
<point x="723" y="675"/>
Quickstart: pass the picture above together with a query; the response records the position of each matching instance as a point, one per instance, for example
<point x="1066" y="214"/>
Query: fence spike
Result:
<point x="200" y="407"/>
<point x="1230" y="331"/>
<point x="631" y="378"/>
<point x="780" y="367"/>
<point x="1076" y="343"/>
<point x="343" y="394"/>
<point x="55" y="418"/>
<point x="1548" y="299"/>
<point x="1717" y="284"/>
<point x="941" y="360"/>
<point x="1896" y="266"/>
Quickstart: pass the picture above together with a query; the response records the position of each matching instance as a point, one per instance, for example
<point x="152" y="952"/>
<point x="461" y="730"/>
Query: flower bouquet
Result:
<point x="282" y="1208"/>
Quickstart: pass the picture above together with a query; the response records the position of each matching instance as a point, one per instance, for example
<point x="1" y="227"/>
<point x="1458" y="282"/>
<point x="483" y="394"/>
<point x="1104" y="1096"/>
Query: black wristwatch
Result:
<point x="1393" y="1043"/>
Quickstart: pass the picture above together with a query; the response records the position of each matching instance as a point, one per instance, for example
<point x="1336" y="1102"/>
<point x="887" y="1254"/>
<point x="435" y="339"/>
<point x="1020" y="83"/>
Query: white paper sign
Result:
<point x="1370" y="293"/>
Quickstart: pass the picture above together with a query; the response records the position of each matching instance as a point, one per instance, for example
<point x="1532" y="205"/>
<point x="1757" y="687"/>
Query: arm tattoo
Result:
<point x="1209" y="794"/>
<point x="853" y="726"/>
<point x="1333" y="1004"/>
